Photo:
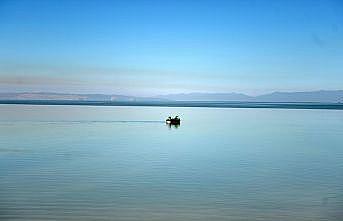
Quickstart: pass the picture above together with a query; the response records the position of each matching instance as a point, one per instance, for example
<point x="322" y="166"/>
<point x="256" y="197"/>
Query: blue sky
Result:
<point x="161" y="47"/>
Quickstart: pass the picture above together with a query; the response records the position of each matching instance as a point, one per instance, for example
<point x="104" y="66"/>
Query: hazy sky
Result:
<point x="160" y="47"/>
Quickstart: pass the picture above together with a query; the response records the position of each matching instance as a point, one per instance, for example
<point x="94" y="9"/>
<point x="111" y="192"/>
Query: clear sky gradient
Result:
<point x="161" y="47"/>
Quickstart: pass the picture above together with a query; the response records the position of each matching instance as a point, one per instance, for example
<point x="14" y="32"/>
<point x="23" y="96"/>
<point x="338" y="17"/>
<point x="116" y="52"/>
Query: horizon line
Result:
<point x="168" y="94"/>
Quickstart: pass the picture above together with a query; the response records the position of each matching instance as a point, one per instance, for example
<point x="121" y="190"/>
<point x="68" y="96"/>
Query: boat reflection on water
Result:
<point x="173" y="122"/>
<point x="173" y="125"/>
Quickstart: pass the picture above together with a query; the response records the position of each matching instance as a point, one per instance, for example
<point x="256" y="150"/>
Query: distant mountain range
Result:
<point x="333" y="96"/>
<point x="70" y="97"/>
<point x="312" y="96"/>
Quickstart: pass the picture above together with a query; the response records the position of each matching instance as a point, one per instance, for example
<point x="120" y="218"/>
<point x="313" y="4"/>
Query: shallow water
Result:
<point x="124" y="163"/>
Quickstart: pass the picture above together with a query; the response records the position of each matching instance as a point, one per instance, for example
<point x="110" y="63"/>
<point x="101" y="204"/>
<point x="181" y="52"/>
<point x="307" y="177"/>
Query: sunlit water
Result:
<point x="124" y="163"/>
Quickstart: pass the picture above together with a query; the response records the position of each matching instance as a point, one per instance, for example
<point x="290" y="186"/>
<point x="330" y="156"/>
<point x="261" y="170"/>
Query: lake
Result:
<point x="125" y="163"/>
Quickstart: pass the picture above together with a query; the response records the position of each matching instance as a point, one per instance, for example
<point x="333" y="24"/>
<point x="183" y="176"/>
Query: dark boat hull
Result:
<point x="173" y="121"/>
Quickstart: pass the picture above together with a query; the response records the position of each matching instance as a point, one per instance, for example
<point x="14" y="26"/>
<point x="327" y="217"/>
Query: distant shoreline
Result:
<point x="210" y="104"/>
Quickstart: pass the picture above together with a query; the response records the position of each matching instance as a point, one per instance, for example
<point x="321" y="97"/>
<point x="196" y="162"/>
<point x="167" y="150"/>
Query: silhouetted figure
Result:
<point x="173" y="121"/>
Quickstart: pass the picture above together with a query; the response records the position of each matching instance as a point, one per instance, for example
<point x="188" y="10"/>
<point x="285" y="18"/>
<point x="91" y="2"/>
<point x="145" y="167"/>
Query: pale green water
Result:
<point x="123" y="163"/>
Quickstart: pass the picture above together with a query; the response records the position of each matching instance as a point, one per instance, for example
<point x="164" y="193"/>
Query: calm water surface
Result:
<point x="124" y="163"/>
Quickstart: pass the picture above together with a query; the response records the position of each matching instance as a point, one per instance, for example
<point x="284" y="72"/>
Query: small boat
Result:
<point x="173" y="121"/>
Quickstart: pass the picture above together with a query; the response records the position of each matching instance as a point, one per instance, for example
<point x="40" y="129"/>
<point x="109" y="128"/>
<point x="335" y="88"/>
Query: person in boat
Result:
<point x="175" y="120"/>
